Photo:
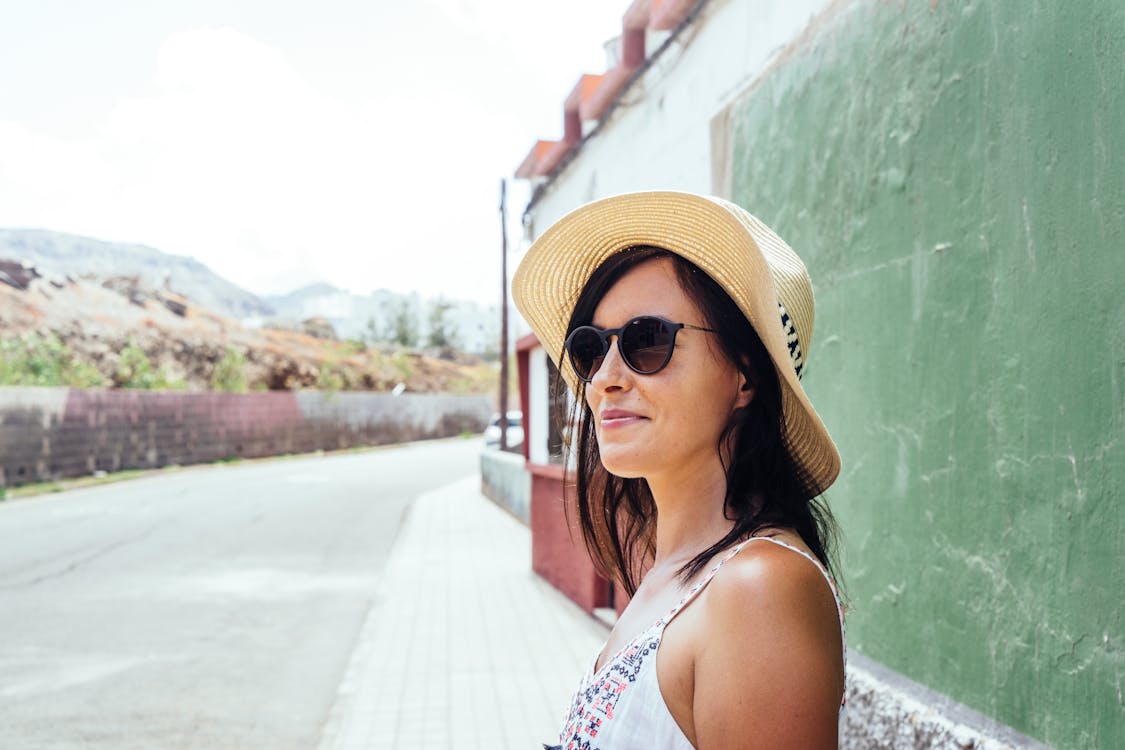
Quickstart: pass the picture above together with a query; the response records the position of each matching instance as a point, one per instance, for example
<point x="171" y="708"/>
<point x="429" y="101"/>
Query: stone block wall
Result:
<point x="53" y="433"/>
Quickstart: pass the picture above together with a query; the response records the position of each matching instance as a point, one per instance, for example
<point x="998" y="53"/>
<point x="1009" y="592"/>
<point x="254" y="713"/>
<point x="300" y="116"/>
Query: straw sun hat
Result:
<point x="759" y="271"/>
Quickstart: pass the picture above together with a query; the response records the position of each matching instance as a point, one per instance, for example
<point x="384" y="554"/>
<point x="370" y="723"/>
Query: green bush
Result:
<point x="401" y="363"/>
<point x="330" y="376"/>
<point x="354" y="346"/>
<point x="134" y="370"/>
<point x="229" y="374"/>
<point x="31" y="359"/>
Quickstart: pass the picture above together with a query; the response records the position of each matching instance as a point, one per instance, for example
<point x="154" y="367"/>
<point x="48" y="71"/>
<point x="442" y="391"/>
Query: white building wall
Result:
<point x="538" y="403"/>
<point x="659" y="135"/>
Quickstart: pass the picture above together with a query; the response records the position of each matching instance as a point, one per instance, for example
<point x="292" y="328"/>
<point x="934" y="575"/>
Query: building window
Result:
<point x="558" y="402"/>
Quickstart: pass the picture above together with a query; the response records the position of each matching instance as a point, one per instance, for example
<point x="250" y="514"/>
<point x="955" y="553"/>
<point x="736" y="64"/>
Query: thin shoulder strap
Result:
<point x="807" y="556"/>
<point x="819" y="566"/>
<point x="738" y="548"/>
<point x="835" y="595"/>
<point x="700" y="584"/>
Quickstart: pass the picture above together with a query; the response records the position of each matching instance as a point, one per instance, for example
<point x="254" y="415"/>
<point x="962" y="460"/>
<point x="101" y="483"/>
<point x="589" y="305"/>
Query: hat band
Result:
<point x="791" y="340"/>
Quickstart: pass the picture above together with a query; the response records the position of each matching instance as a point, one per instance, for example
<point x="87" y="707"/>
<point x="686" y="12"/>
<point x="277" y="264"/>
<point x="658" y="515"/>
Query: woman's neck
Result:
<point x="689" y="513"/>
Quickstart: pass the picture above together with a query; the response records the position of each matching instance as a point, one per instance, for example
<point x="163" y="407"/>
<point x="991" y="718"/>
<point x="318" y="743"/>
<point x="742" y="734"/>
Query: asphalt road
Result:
<point x="208" y="608"/>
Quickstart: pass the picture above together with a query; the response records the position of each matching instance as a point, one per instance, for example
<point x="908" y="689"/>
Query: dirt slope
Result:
<point x="97" y="319"/>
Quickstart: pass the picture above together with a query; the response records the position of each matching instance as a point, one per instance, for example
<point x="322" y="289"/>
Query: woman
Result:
<point x="682" y="324"/>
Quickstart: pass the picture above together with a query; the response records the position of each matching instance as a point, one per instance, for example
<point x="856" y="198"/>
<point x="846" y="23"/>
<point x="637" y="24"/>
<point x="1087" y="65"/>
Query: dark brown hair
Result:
<point x="765" y="486"/>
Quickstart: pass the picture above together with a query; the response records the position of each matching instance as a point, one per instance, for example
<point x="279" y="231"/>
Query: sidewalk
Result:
<point x="464" y="647"/>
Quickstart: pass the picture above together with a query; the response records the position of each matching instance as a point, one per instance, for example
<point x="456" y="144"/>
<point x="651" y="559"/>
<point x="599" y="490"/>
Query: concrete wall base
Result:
<point x="505" y="481"/>
<point x="887" y="711"/>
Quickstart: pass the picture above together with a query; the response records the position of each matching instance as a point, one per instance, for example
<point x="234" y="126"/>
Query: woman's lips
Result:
<point x="612" y="418"/>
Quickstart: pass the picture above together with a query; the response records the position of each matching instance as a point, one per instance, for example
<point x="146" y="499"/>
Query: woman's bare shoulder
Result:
<point x="767" y="584"/>
<point x="772" y="654"/>
<point x="774" y="575"/>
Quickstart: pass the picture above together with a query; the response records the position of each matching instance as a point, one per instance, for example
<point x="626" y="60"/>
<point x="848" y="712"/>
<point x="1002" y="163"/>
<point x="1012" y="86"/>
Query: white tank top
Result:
<point x="620" y="707"/>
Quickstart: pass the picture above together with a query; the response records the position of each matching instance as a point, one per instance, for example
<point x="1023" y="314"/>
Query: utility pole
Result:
<point x="503" y="315"/>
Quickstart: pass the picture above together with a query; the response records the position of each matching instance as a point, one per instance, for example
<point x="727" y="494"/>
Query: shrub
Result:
<point x="31" y="359"/>
<point x="135" y="370"/>
<point x="401" y="363"/>
<point x="229" y="374"/>
<point x="330" y="376"/>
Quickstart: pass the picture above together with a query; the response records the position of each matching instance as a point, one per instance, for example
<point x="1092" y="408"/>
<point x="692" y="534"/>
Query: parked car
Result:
<point x="515" y="431"/>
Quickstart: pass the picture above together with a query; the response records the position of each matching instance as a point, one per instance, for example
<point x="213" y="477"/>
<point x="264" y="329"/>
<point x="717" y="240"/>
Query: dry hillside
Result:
<point x="98" y="318"/>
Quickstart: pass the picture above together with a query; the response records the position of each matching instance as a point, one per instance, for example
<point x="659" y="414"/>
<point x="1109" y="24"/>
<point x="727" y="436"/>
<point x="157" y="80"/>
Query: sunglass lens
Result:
<point x="587" y="350"/>
<point x="647" y="344"/>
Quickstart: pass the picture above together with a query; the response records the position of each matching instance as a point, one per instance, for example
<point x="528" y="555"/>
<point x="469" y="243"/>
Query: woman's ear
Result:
<point x="745" y="393"/>
<point x="747" y="377"/>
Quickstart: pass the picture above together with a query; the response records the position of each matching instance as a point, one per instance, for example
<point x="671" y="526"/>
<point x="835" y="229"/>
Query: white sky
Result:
<point x="358" y="142"/>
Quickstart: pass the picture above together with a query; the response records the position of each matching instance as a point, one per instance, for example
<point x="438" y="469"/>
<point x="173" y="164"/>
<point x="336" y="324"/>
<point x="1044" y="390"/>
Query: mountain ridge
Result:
<point x="356" y="316"/>
<point x="63" y="254"/>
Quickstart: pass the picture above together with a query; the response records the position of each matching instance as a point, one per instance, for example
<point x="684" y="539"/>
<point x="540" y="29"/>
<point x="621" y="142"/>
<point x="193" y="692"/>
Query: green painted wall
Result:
<point x="954" y="175"/>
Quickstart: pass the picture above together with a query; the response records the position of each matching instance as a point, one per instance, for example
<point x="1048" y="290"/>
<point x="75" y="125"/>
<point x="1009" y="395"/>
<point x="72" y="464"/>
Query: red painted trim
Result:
<point x="524" y="343"/>
<point x="550" y="471"/>
<point x="583" y="90"/>
<point x="632" y="48"/>
<point x="526" y="169"/>
<point x="636" y="17"/>
<point x="593" y="94"/>
<point x="558" y="553"/>
<point x="572" y="120"/>
<point x="610" y="87"/>
<point x="523" y="369"/>
<point x="552" y="158"/>
<point x="572" y="127"/>
<point x="667" y="14"/>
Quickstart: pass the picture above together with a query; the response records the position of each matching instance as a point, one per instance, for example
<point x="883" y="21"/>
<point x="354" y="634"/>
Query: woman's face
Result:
<point x="668" y="423"/>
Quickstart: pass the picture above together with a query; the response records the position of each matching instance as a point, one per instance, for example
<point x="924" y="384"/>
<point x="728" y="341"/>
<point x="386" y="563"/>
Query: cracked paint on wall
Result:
<point x="954" y="175"/>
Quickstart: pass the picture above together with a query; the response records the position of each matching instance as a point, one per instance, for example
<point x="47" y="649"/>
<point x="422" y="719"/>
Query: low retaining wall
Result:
<point x="887" y="711"/>
<point x="505" y="481"/>
<point x="51" y="433"/>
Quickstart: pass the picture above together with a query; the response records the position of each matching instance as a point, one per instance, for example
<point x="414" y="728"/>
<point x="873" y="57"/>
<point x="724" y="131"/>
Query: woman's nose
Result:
<point x="612" y="372"/>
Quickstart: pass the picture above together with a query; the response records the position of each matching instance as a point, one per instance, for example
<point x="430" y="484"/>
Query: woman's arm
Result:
<point x="769" y="668"/>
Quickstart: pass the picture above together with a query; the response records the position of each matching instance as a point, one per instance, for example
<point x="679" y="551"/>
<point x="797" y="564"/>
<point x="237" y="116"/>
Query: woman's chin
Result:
<point x="624" y="466"/>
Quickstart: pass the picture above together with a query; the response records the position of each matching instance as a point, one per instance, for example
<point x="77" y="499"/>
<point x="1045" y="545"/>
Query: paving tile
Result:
<point x="465" y="648"/>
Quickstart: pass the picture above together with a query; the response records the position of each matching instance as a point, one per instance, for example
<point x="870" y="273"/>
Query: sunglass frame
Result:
<point x="604" y="334"/>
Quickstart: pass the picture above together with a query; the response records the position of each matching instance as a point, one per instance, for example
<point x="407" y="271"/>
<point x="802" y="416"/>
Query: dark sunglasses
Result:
<point x="645" y="343"/>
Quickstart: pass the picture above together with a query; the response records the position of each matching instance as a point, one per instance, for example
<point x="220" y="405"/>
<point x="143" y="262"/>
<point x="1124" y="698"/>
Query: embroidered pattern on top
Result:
<point x="599" y="694"/>
<point x="601" y="690"/>
<point x="595" y="702"/>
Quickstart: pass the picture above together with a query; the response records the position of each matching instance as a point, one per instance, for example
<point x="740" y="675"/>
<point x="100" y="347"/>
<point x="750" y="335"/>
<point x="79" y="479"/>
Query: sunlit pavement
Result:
<point x="464" y="647"/>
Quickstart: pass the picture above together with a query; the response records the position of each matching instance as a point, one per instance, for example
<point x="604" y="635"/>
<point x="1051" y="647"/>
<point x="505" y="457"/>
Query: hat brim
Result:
<point x="721" y="239"/>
